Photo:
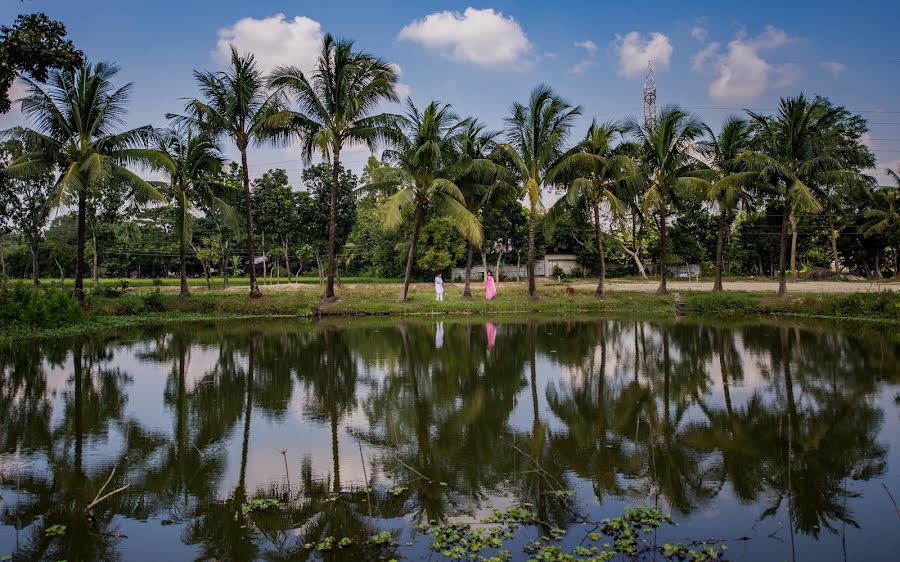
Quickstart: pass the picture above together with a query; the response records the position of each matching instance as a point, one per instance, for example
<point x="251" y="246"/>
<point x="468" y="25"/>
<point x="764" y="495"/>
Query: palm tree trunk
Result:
<point x="95" y="273"/>
<point x="532" y="288"/>
<point x="2" y="267"/>
<point x="794" y="273"/>
<point x="182" y="256"/>
<point x="417" y="219"/>
<point x="254" y="287"/>
<point x="467" y="290"/>
<point x="79" y="247"/>
<point x="332" y="223"/>
<point x="35" y="279"/>
<point x="224" y="247"/>
<point x="720" y="247"/>
<point x="664" y="251"/>
<point x="600" y="253"/>
<point x="834" y="251"/>
<point x="782" y="251"/>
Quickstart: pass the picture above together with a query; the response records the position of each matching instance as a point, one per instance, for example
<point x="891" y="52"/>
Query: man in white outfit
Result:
<point x="439" y="287"/>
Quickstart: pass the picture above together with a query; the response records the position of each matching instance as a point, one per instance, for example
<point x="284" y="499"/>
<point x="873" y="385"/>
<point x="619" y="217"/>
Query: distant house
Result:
<point x="257" y="263"/>
<point x="542" y="268"/>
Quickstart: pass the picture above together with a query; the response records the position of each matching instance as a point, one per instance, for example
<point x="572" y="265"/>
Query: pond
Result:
<point x="778" y="440"/>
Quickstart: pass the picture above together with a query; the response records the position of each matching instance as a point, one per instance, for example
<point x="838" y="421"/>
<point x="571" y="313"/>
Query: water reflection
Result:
<point x="368" y="426"/>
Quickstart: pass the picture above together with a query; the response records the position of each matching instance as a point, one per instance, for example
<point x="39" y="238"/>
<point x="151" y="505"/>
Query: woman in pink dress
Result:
<point x="490" y="291"/>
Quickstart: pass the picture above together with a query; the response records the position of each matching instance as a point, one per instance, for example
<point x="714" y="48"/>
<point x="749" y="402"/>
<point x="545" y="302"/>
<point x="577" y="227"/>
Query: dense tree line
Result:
<point x="764" y="195"/>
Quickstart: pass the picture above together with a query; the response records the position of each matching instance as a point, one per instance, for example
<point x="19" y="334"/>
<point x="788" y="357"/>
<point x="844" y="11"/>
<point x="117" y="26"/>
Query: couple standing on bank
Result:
<point x="490" y="290"/>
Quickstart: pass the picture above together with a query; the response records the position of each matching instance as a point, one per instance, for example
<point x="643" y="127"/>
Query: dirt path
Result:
<point x="642" y="286"/>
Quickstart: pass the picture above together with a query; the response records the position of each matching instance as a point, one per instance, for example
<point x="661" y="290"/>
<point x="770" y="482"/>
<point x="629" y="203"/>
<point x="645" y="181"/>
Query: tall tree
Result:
<point x="728" y="187"/>
<point x="33" y="46"/>
<point x="25" y="203"/>
<point x="336" y="102"/>
<point x="77" y="129"/>
<point x="536" y="134"/>
<point x="601" y="179"/>
<point x="884" y="217"/>
<point x="425" y="158"/>
<point x="276" y="212"/>
<point x="236" y="104"/>
<point x="319" y="183"/>
<point x="803" y="149"/>
<point x="668" y="157"/>
<point x="193" y="163"/>
<point x="478" y="186"/>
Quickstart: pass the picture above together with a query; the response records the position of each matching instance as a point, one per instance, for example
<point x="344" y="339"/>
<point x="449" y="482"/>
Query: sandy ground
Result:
<point x="643" y="286"/>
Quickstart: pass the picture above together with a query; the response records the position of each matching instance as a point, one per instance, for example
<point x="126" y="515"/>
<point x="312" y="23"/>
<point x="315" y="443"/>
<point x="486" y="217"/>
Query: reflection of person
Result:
<point x="490" y="291"/>
<point x="491" y="331"/>
<point x="439" y="336"/>
<point x="439" y="287"/>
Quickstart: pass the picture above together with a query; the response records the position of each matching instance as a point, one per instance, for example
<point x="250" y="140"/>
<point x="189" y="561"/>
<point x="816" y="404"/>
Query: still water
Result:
<point x="781" y="440"/>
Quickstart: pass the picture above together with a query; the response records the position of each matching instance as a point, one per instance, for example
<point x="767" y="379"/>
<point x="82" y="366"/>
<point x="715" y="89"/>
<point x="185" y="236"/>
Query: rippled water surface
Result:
<point x="779" y="439"/>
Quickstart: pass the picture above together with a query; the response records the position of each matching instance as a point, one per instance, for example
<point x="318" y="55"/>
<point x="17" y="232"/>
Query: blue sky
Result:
<point x="712" y="57"/>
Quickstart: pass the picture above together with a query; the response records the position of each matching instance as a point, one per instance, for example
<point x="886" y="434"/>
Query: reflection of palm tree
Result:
<point x="593" y="445"/>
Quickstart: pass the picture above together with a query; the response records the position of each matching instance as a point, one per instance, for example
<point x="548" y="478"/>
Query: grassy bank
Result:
<point x="147" y="306"/>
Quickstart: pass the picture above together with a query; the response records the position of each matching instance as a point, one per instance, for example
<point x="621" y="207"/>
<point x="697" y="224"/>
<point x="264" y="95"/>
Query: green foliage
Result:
<point x="721" y="303"/>
<point x="37" y="307"/>
<point x="33" y="45"/>
<point x="261" y="504"/>
<point x="153" y="301"/>
<point x="883" y="304"/>
<point x="55" y="530"/>
<point x="157" y="282"/>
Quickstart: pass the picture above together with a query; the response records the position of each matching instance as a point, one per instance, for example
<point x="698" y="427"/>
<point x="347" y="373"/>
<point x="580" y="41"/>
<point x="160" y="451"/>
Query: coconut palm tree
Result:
<point x="803" y="149"/>
<point x="481" y="186"/>
<point x="192" y="161"/>
<point x="425" y="162"/>
<point x="236" y="104"/>
<point x="668" y="155"/>
<point x="336" y="102"/>
<point x="77" y="122"/>
<point x="728" y="187"/>
<point x="536" y="135"/>
<point x="601" y="173"/>
<point x="885" y="217"/>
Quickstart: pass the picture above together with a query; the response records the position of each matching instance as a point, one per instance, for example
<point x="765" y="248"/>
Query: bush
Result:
<point x="153" y="301"/>
<point x="558" y="272"/>
<point x="38" y="308"/>
<point x="884" y="304"/>
<point x="576" y="272"/>
<point x="721" y="303"/>
<point x="157" y="282"/>
<point x="107" y="291"/>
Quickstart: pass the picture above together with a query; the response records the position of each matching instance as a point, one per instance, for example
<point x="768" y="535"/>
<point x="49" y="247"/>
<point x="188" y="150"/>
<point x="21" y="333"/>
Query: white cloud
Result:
<point x="634" y="52"/>
<point x="699" y="33"/>
<point x="588" y="61"/>
<point x="834" y="67"/>
<point x="403" y="89"/>
<point x="700" y="60"/>
<point x="483" y="37"/>
<point x="274" y="41"/>
<point x="588" y="45"/>
<point x="740" y="72"/>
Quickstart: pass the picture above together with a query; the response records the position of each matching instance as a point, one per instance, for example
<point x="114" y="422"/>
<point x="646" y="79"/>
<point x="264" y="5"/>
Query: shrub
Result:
<point x="153" y="301"/>
<point x="157" y="282"/>
<point x="884" y="304"/>
<point x="107" y="291"/>
<point x="38" y="308"/>
<point x="558" y="272"/>
<point x="576" y="272"/>
<point x="721" y="303"/>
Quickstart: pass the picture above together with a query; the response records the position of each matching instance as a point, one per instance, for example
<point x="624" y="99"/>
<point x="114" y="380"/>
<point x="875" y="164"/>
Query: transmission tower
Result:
<point x="649" y="96"/>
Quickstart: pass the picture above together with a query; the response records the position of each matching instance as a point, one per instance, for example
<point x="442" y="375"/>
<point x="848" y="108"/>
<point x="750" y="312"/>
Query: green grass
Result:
<point x="150" y="306"/>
